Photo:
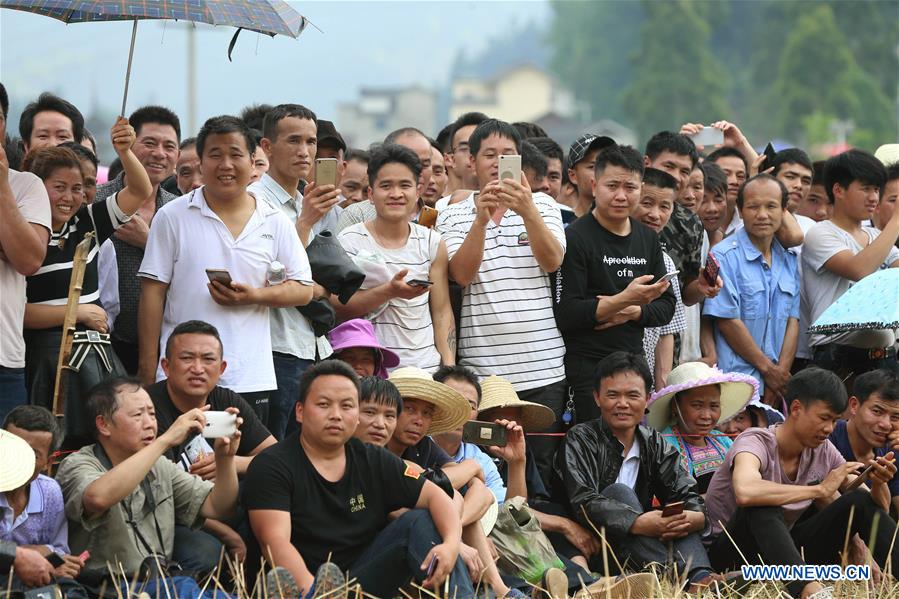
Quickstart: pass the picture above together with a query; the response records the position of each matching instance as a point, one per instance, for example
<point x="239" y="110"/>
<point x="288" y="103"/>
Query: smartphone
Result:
<point x="712" y="267"/>
<point x="432" y="566"/>
<point x="427" y="218"/>
<point x="709" y="136"/>
<point x="419" y="282"/>
<point x="857" y="481"/>
<point x="220" y="424"/>
<point x="326" y="171"/>
<point x="673" y="509"/>
<point x="769" y="153"/>
<point x="668" y="276"/>
<point x="485" y="433"/>
<point x="510" y="167"/>
<point x="55" y="560"/>
<point x="219" y="274"/>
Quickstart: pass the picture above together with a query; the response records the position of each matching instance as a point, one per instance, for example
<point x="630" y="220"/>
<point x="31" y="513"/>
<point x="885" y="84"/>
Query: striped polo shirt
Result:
<point x="507" y="325"/>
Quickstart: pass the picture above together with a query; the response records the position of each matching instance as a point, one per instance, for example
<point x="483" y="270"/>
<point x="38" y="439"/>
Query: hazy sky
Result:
<point x="360" y="44"/>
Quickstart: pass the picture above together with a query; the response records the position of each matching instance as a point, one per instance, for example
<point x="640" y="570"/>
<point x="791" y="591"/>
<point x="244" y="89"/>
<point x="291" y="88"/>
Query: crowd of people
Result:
<point x="632" y="326"/>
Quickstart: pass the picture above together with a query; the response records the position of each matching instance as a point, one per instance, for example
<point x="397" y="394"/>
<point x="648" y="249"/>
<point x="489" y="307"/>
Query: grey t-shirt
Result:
<point x="814" y="466"/>
<point x="821" y="287"/>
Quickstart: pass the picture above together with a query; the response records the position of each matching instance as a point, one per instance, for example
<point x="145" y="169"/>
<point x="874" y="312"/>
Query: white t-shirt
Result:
<point x="806" y="224"/>
<point x="507" y="323"/>
<point x="187" y="237"/>
<point x="403" y="326"/>
<point x="34" y="205"/>
<point x="821" y="287"/>
<point x="108" y="280"/>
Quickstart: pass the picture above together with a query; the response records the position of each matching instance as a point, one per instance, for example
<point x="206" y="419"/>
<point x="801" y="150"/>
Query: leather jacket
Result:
<point x="589" y="461"/>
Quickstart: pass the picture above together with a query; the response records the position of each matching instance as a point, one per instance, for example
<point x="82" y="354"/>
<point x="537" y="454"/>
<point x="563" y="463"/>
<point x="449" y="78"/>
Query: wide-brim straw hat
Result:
<point x="736" y="391"/>
<point x="451" y="410"/>
<point x="497" y="392"/>
<point x="18" y="461"/>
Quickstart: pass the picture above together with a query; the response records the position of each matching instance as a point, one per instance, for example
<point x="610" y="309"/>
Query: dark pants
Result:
<point x="127" y="353"/>
<point x="12" y="390"/>
<point x="259" y="401"/>
<point x="288" y="370"/>
<point x="544" y="448"/>
<point x="579" y="372"/>
<point x="636" y="552"/>
<point x="196" y="550"/>
<point x="763" y="537"/>
<point x="397" y="553"/>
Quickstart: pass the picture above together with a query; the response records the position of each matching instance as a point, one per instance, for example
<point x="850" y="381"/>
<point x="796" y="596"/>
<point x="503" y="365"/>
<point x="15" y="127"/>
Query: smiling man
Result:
<point x="50" y="121"/>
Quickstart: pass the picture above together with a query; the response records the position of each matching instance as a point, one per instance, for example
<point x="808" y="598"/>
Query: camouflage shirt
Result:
<point x="682" y="240"/>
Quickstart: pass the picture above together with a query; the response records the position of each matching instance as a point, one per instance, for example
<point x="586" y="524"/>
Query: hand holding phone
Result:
<point x="673" y="509"/>
<point x="485" y="433"/>
<point x="708" y="136"/>
<point x="219" y="274"/>
<point x="669" y="276"/>
<point x="510" y="167"/>
<point x="325" y="171"/>
<point x="419" y="282"/>
<point x="220" y="424"/>
<point x="712" y="267"/>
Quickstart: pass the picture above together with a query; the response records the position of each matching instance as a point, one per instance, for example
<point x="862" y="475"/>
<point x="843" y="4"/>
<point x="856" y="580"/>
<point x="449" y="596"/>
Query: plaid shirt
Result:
<point x="678" y="322"/>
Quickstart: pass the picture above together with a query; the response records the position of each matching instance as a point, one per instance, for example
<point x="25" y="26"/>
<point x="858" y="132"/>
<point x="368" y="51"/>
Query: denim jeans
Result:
<point x="196" y="550"/>
<point x="395" y="557"/>
<point x="552" y="396"/>
<point x="288" y="370"/>
<point x="12" y="390"/>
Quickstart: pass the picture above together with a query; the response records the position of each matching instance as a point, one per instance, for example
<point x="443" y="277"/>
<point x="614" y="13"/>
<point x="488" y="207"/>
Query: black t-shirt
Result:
<point x="599" y="262"/>
<point x="427" y="454"/>
<point x="253" y="432"/>
<point x="341" y="518"/>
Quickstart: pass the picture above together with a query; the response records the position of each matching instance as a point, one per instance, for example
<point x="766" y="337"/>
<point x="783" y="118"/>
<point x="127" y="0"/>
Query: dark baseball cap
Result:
<point x="583" y="144"/>
<point x="327" y="132"/>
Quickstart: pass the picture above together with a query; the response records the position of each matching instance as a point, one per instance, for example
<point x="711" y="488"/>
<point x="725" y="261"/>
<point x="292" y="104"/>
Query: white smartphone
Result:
<point x="220" y="424"/>
<point x="668" y="276"/>
<point x="510" y="167"/>
<point x="709" y="136"/>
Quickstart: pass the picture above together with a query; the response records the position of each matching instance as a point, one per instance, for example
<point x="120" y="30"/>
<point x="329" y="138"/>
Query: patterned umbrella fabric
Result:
<point x="872" y="303"/>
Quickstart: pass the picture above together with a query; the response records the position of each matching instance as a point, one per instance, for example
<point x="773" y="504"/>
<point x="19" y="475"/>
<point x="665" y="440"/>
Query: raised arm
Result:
<point x="517" y="197"/>
<point x="858" y="266"/>
<point x="138" y="187"/>
<point x="465" y="263"/>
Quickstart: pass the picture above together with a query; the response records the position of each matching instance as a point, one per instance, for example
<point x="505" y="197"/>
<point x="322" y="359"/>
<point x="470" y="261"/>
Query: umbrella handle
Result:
<point x="128" y="72"/>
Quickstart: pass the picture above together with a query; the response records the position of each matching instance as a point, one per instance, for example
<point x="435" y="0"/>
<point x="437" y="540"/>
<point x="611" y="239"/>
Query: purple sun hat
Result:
<point x="736" y="391"/>
<point x="359" y="332"/>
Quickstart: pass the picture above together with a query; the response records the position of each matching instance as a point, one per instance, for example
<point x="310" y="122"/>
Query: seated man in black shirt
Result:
<point x="324" y="493"/>
<point x="611" y="284"/>
<point x="193" y="364"/>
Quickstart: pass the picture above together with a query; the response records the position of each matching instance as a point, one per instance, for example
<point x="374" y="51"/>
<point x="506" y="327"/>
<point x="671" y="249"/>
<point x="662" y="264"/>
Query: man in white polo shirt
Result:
<point x="501" y="246"/>
<point x="221" y="226"/>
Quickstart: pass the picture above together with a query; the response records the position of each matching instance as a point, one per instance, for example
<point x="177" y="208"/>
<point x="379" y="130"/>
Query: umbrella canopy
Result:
<point x="872" y="303"/>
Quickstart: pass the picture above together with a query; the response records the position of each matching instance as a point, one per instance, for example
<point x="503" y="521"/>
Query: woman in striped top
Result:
<point x="47" y="290"/>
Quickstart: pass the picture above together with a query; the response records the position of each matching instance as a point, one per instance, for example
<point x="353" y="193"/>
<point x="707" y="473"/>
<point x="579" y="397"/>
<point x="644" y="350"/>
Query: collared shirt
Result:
<point x="735" y="224"/>
<point x="109" y="537"/>
<point x="630" y="467"/>
<point x="291" y="332"/>
<point x="188" y="237"/>
<point x="469" y="451"/>
<point x="763" y="297"/>
<point x="42" y="522"/>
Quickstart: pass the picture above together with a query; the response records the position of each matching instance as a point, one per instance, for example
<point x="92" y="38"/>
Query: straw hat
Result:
<point x="736" y="391"/>
<point x="497" y="392"/>
<point x="488" y="520"/>
<point x="18" y="461"/>
<point x="451" y="409"/>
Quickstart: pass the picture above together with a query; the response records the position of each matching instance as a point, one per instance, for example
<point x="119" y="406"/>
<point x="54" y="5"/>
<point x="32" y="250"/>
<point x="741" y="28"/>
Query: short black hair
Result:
<point x="380" y="391"/>
<point x="102" y="399"/>
<point x="444" y="139"/>
<point x="892" y="172"/>
<point x="326" y="368"/>
<point x="388" y="153"/>
<point x="790" y="156"/>
<point x="816" y="384"/>
<point x="621" y="361"/>
<point x="714" y="179"/>
<point x="818" y="173"/>
<point x="549" y="148"/>
<point x="466" y="120"/>
<point x="460" y="373"/>
<point x="35" y="419"/>
<point x="658" y="178"/>
<point x="159" y="115"/>
<point x="528" y="130"/>
<point x="402" y="132"/>
<point x="81" y="151"/>
<point x="883" y="382"/>
<point x="43" y="161"/>
<point x="725" y="152"/>
<point x="532" y="158"/>
<point x="741" y="193"/>
<point x="492" y="127"/>
<point x="4" y="101"/>
<point x="676" y="143"/>
<point x="269" y="126"/>
<point x="50" y="102"/>
<point x="254" y="114"/>
<point x="221" y="125"/>
<point x="853" y="165"/>
<point x="189" y="327"/>
<point x="625" y="157"/>
<point x="357" y="154"/>
<point x="90" y="137"/>
<point x="186" y="143"/>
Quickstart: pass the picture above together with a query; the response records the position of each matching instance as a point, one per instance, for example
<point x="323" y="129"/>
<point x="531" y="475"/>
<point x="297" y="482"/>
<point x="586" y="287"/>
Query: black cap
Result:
<point x="327" y="132"/>
<point x="584" y="144"/>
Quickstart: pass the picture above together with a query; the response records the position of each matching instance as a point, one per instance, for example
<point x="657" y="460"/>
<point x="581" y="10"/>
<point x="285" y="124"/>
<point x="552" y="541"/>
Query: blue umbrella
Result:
<point x="263" y="16"/>
<point x="872" y="303"/>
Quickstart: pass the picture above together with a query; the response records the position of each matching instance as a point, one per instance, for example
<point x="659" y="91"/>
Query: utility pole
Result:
<point x="191" y="79"/>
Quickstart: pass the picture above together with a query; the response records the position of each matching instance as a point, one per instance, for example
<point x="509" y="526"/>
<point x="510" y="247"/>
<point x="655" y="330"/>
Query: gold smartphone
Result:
<point x="326" y="171"/>
<point x="427" y="218"/>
